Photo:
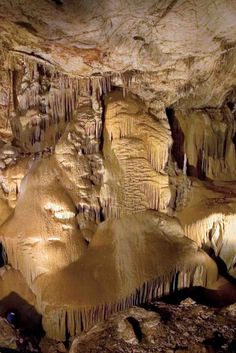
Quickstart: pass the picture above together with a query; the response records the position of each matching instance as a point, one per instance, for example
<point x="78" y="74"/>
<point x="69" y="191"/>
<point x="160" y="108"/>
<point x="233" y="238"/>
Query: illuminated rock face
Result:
<point x="106" y="172"/>
<point x="136" y="149"/>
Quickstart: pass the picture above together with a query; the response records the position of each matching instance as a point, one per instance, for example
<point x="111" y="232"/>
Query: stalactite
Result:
<point x="208" y="142"/>
<point x="110" y="208"/>
<point x="158" y="155"/>
<point x="92" y="212"/>
<point x="15" y="250"/>
<point x="60" y="100"/>
<point x="78" y="319"/>
<point x="215" y="231"/>
<point x="126" y="78"/>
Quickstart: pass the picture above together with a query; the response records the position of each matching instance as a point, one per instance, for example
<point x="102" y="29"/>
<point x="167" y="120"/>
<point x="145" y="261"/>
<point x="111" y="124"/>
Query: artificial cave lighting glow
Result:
<point x="64" y="214"/>
<point x="117" y="153"/>
<point x="53" y="207"/>
<point x="54" y="238"/>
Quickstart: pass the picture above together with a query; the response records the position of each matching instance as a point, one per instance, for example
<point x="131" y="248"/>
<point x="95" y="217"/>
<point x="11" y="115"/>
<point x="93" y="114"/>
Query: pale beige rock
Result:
<point x="136" y="146"/>
<point x="86" y="154"/>
<point x="209" y="219"/>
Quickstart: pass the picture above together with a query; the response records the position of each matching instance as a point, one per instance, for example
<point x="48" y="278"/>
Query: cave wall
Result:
<point x="203" y="142"/>
<point x="83" y="165"/>
<point x="117" y="172"/>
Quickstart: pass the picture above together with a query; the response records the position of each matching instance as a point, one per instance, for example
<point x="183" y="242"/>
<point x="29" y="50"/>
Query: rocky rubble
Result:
<point x="156" y="327"/>
<point x="7" y="335"/>
<point x="160" y="327"/>
<point x="10" y="338"/>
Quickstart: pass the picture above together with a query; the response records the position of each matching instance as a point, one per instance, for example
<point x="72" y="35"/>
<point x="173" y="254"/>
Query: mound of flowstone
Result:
<point x="129" y="261"/>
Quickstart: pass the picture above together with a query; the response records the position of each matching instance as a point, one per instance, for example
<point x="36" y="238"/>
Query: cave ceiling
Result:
<point x="174" y="50"/>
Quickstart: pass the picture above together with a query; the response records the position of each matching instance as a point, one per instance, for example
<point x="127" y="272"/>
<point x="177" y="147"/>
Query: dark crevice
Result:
<point x="230" y="105"/>
<point x="8" y="350"/>
<point x="3" y="256"/>
<point x="67" y="340"/>
<point x="136" y="327"/>
<point x="102" y="217"/>
<point x="197" y="171"/>
<point x="28" y="26"/>
<point x="216" y="341"/>
<point x="234" y="140"/>
<point x="101" y="212"/>
<point x="209" y="297"/>
<point x="139" y="38"/>
<point x="101" y="145"/>
<point x="27" y="319"/>
<point x="178" y="138"/>
<point x="59" y="2"/>
<point x="14" y="89"/>
<point x="222" y="268"/>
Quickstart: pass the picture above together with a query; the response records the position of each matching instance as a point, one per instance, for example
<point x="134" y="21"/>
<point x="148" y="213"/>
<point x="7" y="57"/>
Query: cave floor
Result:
<point x="161" y="327"/>
<point x="187" y="327"/>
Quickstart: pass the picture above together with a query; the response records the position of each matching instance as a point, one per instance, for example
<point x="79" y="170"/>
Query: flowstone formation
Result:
<point x="117" y="154"/>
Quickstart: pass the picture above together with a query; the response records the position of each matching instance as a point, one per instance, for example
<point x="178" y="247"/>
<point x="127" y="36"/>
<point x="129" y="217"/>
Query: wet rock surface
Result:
<point x="160" y="327"/>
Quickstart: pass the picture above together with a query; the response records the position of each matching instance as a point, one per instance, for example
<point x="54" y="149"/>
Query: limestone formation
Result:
<point x="117" y="153"/>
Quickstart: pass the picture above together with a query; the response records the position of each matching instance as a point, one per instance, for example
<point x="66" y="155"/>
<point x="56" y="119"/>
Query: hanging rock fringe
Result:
<point x="60" y="101"/>
<point x="77" y="319"/>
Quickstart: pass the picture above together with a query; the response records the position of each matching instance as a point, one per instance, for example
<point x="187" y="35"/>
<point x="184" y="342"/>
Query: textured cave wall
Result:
<point x="108" y="163"/>
<point x="136" y="147"/>
<point x="204" y="142"/>
<point x="108" y="122"/>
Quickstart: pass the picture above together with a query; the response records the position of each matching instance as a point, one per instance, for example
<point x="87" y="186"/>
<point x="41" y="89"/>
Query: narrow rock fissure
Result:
<point x="136" y="327"/>
<point x="3" y="256"/>
<point x="178" y="138"/>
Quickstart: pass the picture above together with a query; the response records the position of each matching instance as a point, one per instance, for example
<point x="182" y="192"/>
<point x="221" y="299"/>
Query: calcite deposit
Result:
<point x="117" y="153"/>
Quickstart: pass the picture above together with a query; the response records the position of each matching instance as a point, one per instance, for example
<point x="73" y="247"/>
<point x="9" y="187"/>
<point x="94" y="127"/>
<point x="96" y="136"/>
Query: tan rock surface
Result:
<point x="111" y="113"/>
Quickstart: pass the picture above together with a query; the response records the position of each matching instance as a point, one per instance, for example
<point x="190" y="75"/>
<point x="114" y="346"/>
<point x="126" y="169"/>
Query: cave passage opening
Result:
<point x="177" y="150"/>
<point x="22" y="315"/>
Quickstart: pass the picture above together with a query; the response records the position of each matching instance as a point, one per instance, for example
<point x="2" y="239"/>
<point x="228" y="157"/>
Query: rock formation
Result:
<point x="183" y="328"/>
<point x="117" y="153"/>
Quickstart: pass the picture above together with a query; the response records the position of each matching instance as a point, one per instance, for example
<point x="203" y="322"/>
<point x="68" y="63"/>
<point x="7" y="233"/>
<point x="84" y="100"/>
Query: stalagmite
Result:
<point x="89" y="298"/>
